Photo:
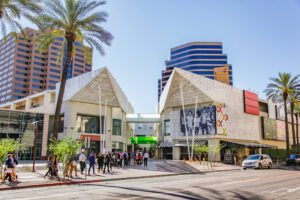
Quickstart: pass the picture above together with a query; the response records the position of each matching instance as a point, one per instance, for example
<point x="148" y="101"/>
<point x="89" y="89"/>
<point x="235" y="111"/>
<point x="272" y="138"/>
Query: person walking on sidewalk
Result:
<point x="55" y="166"/>
<point x="106" y="162"/>
<point x="100" y="161"/>
<point x="146" y="157"/>
<point x="82" y="159"/>
<point x="50" y="166"/>
<point x="92" y="161"/>
<point x="73" y="166"/>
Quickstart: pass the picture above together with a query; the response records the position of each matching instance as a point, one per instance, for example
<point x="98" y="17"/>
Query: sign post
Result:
<point x="87" y="145"/>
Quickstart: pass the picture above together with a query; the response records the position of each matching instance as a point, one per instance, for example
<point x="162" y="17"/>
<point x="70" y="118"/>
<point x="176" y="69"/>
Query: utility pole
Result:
<point x="34" y="144"/>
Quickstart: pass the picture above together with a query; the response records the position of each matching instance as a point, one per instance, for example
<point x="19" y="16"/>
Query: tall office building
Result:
<point x="24" y="70"/>
<point x="203" y="58"/>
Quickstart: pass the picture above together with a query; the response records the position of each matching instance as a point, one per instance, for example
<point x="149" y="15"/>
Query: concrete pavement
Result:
<point x="156" y="168"/>
<point x="238" y="184"/>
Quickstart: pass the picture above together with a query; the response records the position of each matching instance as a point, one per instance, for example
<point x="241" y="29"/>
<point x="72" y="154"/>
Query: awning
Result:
<point x="182" y="143"/>
<point x="165" y="144"/>
<point x="252" y="144"/>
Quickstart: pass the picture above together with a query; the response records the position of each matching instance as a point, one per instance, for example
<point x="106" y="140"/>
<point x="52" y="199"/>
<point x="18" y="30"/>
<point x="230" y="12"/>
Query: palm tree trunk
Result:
<point x="62" y="88"/>
<point x="297" y="129"/>
<point x="286" y="129"/>
<point x="293" y="124"/>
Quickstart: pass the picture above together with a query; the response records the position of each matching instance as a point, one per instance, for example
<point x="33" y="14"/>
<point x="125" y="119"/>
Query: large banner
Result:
<point x="203" y="121"/>
<point x="269" y="128"/>
<point x="280" y="130"/>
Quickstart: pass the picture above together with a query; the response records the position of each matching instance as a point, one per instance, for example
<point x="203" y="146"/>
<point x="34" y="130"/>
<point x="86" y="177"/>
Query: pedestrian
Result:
<point x="15" y="162"/>
<point x="100" y="161"/>
<point x="106" y="164"/>
<point x="125" y="158"/>
<point x="55" y="166"/>
<point x="92" y="162"/>
<point x="146" y="157"/>
<point x="129" y="158"/>
<point x="50" y="166"/>
<point x="133" y="159"/>
<point x="140" y="157"/>
<point x="82" y="160"/>
<point x="110" y="161"/>
<point x="73" y="166"/>
<point x="8" y="169"/>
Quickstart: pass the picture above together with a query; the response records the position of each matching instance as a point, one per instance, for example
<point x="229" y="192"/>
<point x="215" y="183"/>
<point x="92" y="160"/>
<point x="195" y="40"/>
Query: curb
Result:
<point x="104" y="180"/>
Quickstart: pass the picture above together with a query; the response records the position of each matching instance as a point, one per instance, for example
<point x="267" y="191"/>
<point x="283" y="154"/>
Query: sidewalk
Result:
<point x="156" y="168"/>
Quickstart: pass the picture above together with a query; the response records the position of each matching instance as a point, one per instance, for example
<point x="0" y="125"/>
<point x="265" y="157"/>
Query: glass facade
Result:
<point x="19" y="126"/>
<point x="203" y="58"/>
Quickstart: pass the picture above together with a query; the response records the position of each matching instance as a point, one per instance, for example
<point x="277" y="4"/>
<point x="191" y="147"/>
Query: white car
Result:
<point x="257" y="161"/>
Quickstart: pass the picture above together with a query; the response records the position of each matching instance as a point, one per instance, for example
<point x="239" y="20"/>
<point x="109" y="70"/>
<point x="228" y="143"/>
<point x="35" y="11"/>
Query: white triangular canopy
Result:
<point x="193" y="85"/>
<point x="85" y="88"/>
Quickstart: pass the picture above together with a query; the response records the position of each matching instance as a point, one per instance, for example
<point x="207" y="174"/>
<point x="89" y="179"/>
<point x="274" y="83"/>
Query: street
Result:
<point x="249" y="184"/>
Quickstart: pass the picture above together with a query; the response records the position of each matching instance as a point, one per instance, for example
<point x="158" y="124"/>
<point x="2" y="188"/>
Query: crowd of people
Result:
<point x="102" y="162"/>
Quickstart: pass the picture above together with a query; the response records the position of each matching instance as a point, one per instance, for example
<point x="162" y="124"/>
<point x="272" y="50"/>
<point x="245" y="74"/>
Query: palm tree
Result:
<point x="73" y="20"/>
<point x="292" y="99"/>
<point x="297" y="114"/>
<point x="12" y="10"/>
<point x="278" y="90"/>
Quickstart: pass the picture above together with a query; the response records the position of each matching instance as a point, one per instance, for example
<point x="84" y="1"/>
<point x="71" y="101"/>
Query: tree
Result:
<point x="65" y="150"/>
<point x="73" y="20"/>
<point x="12" y="10"/>
<point x="6" y="146"/>
<point x="293" y="98"/>
<point x="297" y="114"/>
<point x="278" y="90"/>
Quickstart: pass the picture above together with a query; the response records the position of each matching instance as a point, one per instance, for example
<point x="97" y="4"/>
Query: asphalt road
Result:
<point x="249" y="184"/>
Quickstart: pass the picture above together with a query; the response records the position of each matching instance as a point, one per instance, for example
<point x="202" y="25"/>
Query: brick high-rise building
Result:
<point x="24" y="70"/>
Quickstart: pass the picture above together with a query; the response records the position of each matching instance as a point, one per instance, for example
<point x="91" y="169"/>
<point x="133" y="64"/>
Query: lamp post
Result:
<point x="34" y="144"/>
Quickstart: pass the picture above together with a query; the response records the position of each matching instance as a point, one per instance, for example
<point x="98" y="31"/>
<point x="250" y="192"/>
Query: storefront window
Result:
<point x="89" y="124"/>
<point x="167" y="131"/>
<point x="117" y="127"/>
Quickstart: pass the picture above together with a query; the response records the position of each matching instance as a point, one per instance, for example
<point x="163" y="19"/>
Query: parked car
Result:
<point x="257" y="161"/>
<point x="297" y="161"/>
<point x="292" y="159"/>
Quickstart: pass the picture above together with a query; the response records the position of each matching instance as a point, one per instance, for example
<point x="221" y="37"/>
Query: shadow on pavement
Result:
<point x="192" y="193"/>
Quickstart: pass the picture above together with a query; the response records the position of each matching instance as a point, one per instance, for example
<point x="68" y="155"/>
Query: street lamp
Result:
<point x="34" y="144"/>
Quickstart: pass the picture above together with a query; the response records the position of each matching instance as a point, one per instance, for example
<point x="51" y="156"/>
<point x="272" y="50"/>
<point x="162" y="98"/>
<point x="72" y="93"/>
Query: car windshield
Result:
<point x="293" y="156"/>
<point x="253" y="157"/>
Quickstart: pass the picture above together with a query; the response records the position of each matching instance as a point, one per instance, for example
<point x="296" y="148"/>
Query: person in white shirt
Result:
<point x="82" y="159"/>
<point x="146" y="157"/>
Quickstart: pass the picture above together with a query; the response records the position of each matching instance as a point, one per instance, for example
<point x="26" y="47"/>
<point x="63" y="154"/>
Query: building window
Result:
<point x="167" y="125"/>
<point x="88" y="124"/>
<point x="53" y="76"/>
<point x="117" y="127"/>
<point x="55" y="71"/>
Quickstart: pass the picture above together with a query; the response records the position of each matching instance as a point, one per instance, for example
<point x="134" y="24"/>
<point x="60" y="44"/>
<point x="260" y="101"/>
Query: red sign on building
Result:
<point x="93" y="137"/>
<point x="251" y="105"/>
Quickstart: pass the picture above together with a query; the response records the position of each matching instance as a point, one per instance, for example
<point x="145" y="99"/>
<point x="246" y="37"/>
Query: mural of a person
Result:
<point x="204" y="122"/>
<point x="189" y="121"/>
<point x="197" y="123"/>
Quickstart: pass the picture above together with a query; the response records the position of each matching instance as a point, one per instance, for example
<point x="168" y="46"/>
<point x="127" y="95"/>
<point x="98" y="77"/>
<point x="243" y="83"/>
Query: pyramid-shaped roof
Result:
<point x="193" y="85"/>
<point x="87" y="87"/>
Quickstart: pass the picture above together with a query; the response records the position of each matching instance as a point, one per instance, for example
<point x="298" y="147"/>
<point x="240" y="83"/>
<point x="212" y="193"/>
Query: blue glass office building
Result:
<point x="203" y="58"/>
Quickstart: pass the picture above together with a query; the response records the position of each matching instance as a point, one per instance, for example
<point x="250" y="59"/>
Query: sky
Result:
<point x="261" y="38"/>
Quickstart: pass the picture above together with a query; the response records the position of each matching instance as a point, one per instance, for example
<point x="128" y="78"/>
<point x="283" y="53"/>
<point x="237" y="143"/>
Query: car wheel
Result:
<point x="270" y="165"/>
